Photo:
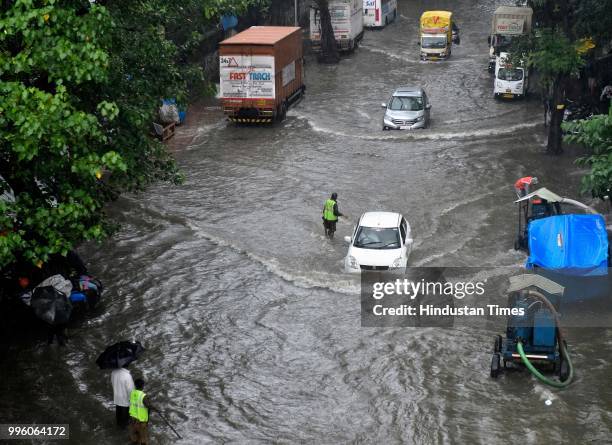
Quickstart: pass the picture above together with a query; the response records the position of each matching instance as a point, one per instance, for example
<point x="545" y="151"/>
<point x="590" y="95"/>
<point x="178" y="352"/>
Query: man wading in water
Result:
<point x="123" y="385"/>
<point x="139" y="415"/>
<point x="330" y="215"/>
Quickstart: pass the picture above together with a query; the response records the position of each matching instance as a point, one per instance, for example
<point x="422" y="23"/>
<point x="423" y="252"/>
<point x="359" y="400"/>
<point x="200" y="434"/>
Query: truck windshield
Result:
<point x="511" y="74"/>
<point x="377" y="238"/>
<point x="501" y="42"/>
<point x="433" y="42"/>
<point x="406" y="103"/>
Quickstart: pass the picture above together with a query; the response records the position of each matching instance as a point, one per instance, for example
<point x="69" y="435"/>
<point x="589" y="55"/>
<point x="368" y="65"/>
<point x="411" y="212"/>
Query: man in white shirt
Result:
<point x="123" y="384"/>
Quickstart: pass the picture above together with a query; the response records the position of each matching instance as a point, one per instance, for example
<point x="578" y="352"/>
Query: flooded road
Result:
<point x="252" y="328"/>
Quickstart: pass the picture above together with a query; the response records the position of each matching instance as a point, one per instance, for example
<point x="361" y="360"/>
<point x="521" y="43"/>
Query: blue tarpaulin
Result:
<point x="229" y="21"/>
<point x="576" y="244"/>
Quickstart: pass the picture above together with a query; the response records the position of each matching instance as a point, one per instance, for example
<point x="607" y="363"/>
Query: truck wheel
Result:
<point x="495" y="365"/>
<point x="283" y="112"/>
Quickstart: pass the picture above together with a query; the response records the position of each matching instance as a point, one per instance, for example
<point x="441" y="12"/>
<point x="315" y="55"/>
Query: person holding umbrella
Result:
<point x="123" y="385"/>
<point x="117" y="357"/>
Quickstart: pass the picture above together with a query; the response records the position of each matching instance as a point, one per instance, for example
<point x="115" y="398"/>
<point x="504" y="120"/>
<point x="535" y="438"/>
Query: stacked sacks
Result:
<point x="86" y="292"/>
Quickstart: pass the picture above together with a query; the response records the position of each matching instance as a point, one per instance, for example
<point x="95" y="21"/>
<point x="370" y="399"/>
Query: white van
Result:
<point x="510" y="81"/>
<point x="379" y="13"/>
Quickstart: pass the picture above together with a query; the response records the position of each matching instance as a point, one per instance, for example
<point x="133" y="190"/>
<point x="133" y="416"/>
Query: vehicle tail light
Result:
<point x="377" y="18"/>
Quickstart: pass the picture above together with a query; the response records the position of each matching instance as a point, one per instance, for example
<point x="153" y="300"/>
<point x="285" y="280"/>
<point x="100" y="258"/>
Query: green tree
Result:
<point x="329" y="47"/>
<point x="556" y="60"/>
<point x="80" y="83"/>
<point x="554" y="55"/>
<point x="54" y="145"/>
<point x="595" y="134"/>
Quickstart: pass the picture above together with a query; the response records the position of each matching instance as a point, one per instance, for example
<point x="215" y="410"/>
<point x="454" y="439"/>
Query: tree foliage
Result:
<point x="552" y="55"/>
<point x="80" y="83"/>
<point x="596" y="134"/>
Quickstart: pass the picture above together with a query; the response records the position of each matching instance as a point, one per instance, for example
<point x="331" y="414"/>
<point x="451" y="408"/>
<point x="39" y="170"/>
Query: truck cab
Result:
<point x="510" y="81"/>
<point x="435" y="38"/>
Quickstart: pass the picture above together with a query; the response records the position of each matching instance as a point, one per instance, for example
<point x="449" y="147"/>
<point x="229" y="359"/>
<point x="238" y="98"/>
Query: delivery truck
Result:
<point x="261" y="73"/>
<point x="347" y="23"/>
<point x="508" y="23"/>
<point x="511" y="81"/>
<point x="436" y="35"/>
<point x="379" y="13"/>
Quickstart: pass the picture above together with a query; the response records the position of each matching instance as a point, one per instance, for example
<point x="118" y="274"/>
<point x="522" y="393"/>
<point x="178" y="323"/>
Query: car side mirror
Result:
<point x="384" y="105"/>
<point x="419" y="43"/>
<point x="428" y="106"/>
<point x="409" y="241"/>
<point x="347" y="239"/>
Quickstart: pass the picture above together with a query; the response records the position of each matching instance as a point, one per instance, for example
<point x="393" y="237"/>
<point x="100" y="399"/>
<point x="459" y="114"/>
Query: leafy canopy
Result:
<point x="596" y="134"/>
<point x="80" y="82"/>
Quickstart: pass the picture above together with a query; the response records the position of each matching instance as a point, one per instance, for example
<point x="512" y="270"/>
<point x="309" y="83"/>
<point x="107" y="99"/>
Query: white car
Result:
<point x="381" y="241"/>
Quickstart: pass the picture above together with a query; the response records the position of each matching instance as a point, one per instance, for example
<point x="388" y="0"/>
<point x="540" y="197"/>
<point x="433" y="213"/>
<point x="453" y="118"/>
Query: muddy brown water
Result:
<point x="251" y="326"/>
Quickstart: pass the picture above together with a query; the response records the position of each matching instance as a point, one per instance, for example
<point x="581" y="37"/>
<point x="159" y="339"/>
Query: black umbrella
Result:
<point x="119" y="354"/>
<point x="51" y="305"/>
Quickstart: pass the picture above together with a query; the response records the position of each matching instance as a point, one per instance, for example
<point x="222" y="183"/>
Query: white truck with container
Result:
<point x="508" y="23"/>
<point x="379" y="13"/>
<point x="511" y="82"/>
<point x="347" y="23"/>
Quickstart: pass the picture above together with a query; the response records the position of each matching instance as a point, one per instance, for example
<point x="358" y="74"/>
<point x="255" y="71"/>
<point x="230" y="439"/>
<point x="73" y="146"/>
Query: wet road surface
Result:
<point x="251" y="326"/>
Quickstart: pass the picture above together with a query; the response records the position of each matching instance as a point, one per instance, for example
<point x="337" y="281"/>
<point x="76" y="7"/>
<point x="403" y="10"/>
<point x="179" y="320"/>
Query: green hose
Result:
<point x="539" y="375"/>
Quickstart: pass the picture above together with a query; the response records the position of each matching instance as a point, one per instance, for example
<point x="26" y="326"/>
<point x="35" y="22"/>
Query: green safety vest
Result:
<point x="328" y="210"/>
<point x="137" y="409"/>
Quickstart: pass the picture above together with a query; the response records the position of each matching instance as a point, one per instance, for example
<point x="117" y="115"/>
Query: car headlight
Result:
<point x="420" y="118"/>
<point x="353" y="262"/>
<point x="519" y="85"/>
<point x="498" y="84"/>
<point x="397" y="262"/>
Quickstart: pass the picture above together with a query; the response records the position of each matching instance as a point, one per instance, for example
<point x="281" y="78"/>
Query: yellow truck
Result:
<point x="436" y="35"/>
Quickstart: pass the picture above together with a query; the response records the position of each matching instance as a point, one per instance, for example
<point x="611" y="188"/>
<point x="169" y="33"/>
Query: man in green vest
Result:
<point x="330" y="215"/>
<point x="139" y="414"/>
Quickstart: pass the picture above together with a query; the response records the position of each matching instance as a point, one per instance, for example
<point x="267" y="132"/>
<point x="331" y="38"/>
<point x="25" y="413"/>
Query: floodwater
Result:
<point x="252" y="328"/>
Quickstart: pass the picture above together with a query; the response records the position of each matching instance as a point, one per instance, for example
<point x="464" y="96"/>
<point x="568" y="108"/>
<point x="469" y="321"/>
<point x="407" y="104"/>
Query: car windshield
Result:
<point x="512" y="74"/>
<point x="406" y="103"/>
<point x="434" y="42"/>
<point x="377" y="238"/>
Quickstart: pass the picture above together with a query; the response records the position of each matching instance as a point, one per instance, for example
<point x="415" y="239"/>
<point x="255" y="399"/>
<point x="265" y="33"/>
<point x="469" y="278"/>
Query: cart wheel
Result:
<point x="495" y="365"/>
<point x="497" y="345"/>
<point x="563" y="370"/>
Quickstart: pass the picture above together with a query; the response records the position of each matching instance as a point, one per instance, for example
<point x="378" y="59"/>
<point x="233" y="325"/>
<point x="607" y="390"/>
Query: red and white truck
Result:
<point x="261" y="73"/>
